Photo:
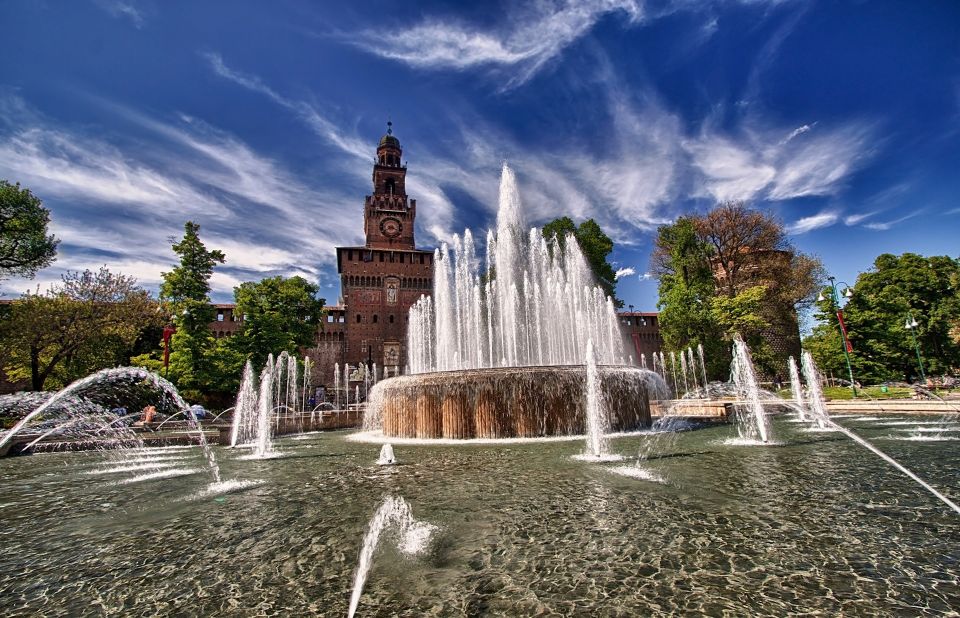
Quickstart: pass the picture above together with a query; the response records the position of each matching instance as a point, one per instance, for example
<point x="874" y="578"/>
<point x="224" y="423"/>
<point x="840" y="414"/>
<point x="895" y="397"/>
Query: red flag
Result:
<point x="843" y="329"/>
<point x="167" y="334"/>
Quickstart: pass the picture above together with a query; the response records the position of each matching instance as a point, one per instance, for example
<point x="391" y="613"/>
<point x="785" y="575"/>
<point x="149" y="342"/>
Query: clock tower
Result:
<point x="382" y="279"/>
<point x="388" y="213"/>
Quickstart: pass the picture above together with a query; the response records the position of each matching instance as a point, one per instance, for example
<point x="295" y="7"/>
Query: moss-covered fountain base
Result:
<point x="515" y="402"/>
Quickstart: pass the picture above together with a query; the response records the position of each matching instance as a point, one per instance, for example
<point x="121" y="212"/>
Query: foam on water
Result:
<point x="598" y="458"/>
<point x="224" y="487"/>
<point x="636" y="472"/>
<point x="160" y="474"/>
<point x="377" y="437"/>
<point x="132" y="468"/>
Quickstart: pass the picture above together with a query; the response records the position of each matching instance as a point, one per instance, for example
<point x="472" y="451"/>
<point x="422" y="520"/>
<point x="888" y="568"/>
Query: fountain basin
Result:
<point x="514" y="402"/>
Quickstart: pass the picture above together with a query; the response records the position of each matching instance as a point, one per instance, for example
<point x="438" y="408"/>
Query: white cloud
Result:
<point x="755" y="164"/>
<point x="813" y="222"/>
<point x="624" y="272"/>
<point x="531" y="38"/>
<point x="859" y="217"/>
<point x="882" y="226"/>
<point x="124" y="9"/>
<point x="798" y="131"/>
<point x="646" y="276"/>
<point x="247" y="204"/>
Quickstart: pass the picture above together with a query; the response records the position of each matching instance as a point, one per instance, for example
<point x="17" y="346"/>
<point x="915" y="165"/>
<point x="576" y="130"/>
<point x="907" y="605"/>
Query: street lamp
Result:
<point x="845" y="342"/>
<point x="911" y="325"/>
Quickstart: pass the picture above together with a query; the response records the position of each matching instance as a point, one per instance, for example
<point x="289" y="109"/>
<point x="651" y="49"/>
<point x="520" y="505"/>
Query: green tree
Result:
<point x="686" y="293"/>
<point x="883" y="297"/>
<point x="89" y="321"/>
<point x="185" y="293"/>
<point x="595" y="245"/>
<point x="25" y="246"/>
<point x="278" y="314"/>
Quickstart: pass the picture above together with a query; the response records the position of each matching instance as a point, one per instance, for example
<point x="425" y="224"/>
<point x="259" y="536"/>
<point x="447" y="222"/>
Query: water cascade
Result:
<point x="796" y="389"/>
<point x="386" y="456"/>
<point x="510" y="320"/>
<point x="412" y="539"/>
<point x="244" y="413"/>
<point x="752" y="425"/>
<point x="815" y="398"/>
<point x="596" y="414"/>
<point x="703" y="370"/>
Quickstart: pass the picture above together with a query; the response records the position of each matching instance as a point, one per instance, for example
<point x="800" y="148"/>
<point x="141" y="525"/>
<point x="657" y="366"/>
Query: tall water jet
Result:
<point x="796" y="389"/>
<point x="597" y="446"/>
<point x="816" y="404"/>
<point x="683" y="371"/>
<point x="506" y="321"/>
<point x="412" y="538"/>
<point x="386" y="456"/>
<point x="703" y="369"/>
<point x="336" y="383"/>
<point x="752" y="425"/>
<point x="264" y="444"/>
<point x="815" y="398"/>
<point x="245" y="410"/>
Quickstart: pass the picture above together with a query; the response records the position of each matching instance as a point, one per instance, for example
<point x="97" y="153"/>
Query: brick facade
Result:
<point x="643" y="327"/>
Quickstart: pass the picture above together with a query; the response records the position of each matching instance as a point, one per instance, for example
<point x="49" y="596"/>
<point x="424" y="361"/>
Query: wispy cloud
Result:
<point x="813" y="222"/>
<point x="624" y="272"/>
<point x="247" y="204"/>
<point x="754" y="163"/>
<point x="648" y="276"/>
<point x="125" y="9"/>
<point x="858" y="218"/>
<point x="882" y="226"/>
<point x="529" y="38"/>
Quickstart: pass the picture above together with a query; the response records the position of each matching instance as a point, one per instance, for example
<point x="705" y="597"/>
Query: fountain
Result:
<point x="816" y="405"/>
<point x="386" y="456"/>
<point x="412" y="538"/>
<point x="486" y="356"/>
<point x="796" y="389"/>
<point x="753" y="424"/>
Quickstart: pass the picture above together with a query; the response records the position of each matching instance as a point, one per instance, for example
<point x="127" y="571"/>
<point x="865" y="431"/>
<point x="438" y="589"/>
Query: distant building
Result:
<point x="643" y="327"/>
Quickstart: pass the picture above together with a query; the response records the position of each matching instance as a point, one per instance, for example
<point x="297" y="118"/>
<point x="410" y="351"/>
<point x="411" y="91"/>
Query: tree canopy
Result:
<point x="595" y="245"/>
<point x="278" y="314"/>
<point x="731" y="270"/>
<point x="25" y="245"/>
<point x="897" y="288"/>
<point x="185" y="295"/>
<point x="89" y="321"/>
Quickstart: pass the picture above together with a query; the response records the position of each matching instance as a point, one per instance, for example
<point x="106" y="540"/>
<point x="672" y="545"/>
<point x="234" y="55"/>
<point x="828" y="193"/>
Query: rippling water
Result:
<point x="815" y="525"/>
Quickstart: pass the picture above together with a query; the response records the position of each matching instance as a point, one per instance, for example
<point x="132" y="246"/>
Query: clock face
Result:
<point x="391" y="227"/>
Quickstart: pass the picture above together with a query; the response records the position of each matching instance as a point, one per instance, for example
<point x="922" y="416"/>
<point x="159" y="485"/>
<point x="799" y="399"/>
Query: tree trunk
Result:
<point x="36" y="380"/>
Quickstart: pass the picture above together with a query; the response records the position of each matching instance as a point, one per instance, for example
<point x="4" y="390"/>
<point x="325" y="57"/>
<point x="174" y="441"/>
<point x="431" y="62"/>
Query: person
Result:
<point x="198" y="411"/>
<point x="777" y="382"/>
<point x="312" y="402"/>
<point x="147" y="414"/>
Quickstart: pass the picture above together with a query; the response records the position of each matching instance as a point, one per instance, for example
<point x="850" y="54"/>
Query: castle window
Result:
<point x="380" y="253"/>
<point x="359" y="318"/>
<point x="391" y="257"/>
<point x="391" y="318"/>
<point x="375" y="319"/>
<point x="391" y="185"/>
<point x="342" y="318"/>
<point x="219" y="316"/>
<point x="349" y="256"/>
<point x="330" y="318"/>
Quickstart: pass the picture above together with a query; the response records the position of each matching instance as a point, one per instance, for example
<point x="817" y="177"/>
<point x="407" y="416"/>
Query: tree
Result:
<point x="732" y="270"/>
<point x="25" y="246"/>
<point x="87" y="322"/>
<point x="595" y="245"/>
<point x="686" y="293"/>
<point x="928" y="289"/>
<point x="185" y="293"/>
<point x="278" y="314"/>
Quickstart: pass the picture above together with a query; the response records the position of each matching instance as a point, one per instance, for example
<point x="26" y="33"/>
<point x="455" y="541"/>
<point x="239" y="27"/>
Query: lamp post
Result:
<point x="845" y="342"/>
<point x="911" y="325"/>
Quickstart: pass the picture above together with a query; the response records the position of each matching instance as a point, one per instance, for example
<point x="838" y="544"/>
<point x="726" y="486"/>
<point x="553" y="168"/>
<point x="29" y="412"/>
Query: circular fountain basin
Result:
<point x="514" y="402"/>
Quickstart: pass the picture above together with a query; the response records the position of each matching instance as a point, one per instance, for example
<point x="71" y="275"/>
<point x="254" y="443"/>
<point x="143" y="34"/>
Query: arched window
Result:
<point x="375" y="318"/>
<point x="391" y="186"/>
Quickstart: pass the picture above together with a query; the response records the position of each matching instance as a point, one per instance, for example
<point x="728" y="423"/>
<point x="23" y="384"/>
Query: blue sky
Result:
<point x="259" y="121"/>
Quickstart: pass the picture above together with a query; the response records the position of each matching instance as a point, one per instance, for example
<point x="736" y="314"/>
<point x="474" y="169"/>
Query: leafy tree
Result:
<point x="731" y="270"/>
<point x="87" y="322"/>
<point x="595" y="245"/>
<point x="928" y="289"/>
<point x="25" y="246"/>
<point x="278" y="314"/>
<point x="185" y="293"/>
<point x="686" y="293"/>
